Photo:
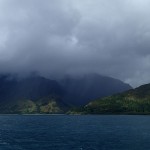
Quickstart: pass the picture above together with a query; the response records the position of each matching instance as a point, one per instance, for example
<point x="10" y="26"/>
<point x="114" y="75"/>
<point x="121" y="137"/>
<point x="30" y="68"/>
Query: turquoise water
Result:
<point x="64" y="132"/>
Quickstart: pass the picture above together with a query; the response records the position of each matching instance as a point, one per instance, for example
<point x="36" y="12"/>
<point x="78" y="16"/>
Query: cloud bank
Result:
<point x="55" y="38"/>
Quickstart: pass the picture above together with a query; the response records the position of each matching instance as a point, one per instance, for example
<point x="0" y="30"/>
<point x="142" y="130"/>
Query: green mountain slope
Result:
<point x="26" y="106"/>
<point x="136" y="101"/>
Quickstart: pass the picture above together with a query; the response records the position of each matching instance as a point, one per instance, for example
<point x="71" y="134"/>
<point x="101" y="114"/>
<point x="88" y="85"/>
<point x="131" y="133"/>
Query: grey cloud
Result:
<point x="56" y="37"/>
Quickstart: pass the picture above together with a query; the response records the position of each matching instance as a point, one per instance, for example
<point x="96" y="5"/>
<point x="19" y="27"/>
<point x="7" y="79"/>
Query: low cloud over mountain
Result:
<point x="56" y="37"/>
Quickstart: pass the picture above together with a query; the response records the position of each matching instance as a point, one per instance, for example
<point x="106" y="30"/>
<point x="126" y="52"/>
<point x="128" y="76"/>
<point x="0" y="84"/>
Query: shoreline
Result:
<point x="107" y="114"/>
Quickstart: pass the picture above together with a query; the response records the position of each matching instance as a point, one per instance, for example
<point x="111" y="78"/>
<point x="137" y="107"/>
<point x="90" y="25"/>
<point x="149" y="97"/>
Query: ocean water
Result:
<point x="64" y="132"/>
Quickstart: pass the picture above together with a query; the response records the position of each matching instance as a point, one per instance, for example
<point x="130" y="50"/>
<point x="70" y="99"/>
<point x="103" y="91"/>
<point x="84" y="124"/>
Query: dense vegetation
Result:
<point x="135" y="101"/>
<point x="27" y="106"/>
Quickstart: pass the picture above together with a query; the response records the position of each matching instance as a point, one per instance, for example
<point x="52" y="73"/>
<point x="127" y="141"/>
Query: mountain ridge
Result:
<point x="35" y="94"/>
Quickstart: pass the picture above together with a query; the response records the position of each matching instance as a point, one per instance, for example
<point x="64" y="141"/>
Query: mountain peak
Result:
<point x="82" y="89"/>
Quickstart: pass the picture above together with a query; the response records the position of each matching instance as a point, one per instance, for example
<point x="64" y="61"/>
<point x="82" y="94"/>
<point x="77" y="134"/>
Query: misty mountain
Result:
<point x="80" y="90"/>
<point x="28" y="88"/>
<point x="37" y="94"/>
<point x="30" y="95"/>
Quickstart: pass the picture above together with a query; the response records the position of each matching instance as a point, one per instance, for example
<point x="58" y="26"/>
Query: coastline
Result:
<point x="78" y="114"/>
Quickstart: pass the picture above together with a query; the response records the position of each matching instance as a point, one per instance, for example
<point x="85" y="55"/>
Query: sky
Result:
<point x="59" y="37"/>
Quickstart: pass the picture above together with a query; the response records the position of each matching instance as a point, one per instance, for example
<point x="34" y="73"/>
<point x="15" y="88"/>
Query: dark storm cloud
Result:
<point x="57" y="37"/>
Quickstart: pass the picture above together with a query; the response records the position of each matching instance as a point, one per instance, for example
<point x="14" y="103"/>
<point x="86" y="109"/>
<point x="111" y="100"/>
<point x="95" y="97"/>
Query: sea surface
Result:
<point x="68" y="132"/>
